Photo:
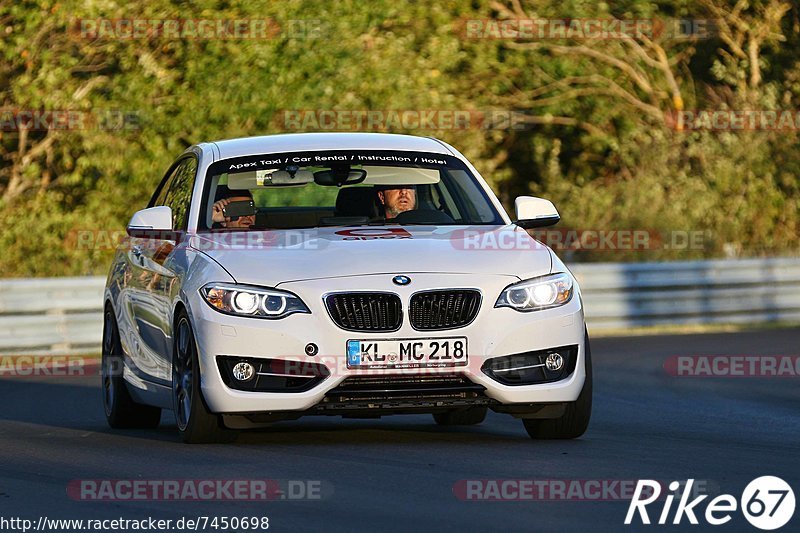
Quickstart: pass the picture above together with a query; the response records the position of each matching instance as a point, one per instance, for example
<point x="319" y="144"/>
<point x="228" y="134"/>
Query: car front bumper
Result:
<point x="495" y="332"/>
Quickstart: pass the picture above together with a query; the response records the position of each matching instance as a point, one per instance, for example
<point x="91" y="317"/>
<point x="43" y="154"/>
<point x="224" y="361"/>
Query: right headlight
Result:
<point x="243" y="300"/>
<point x="535" y="294"/>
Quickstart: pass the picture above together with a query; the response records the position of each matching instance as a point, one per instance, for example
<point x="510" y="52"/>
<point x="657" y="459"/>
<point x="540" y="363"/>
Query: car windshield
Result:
<point x="342" y="188"/>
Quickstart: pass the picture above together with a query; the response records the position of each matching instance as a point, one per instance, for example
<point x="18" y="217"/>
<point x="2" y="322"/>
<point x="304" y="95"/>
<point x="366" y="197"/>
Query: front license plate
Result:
<point x="407" y="353"/>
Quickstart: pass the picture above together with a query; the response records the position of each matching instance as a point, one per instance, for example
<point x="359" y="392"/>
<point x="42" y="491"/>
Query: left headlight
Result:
<point x="537" y="293"/>
<point x="243" y="300"/>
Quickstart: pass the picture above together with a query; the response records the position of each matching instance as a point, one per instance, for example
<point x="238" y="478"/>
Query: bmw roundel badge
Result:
<point x="401" y="280"/>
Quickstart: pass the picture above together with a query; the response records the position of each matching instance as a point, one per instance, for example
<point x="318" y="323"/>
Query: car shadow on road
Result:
<point x="72" y="403"/>
<point x="75" y="404"/>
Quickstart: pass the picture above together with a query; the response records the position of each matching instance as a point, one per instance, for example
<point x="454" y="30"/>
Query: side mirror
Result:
<point x="535" y="212"/>
<point x="152" y="223"/>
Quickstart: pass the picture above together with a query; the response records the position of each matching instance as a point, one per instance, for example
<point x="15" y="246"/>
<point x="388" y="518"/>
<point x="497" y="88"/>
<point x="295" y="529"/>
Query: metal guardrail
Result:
<point x="51" y="315"/>
<point x="744" y="291"/>
<point x="64" y="315"/>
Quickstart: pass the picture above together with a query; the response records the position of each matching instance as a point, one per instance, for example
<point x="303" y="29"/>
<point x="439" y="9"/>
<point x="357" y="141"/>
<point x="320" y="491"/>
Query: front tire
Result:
<point x="120" y="409"/>
<point x="195" y="423"/>
<point x="574" y="422"/>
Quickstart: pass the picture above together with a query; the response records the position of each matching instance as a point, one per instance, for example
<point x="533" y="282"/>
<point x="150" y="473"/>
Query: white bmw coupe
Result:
<point x="350" y="274"/>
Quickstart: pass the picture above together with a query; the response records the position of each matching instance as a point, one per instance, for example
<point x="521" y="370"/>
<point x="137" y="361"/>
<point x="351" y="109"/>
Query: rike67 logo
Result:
<point x="767" y="503"/>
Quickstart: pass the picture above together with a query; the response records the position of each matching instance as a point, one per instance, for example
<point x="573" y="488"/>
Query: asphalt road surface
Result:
<point x="404" y="473"/>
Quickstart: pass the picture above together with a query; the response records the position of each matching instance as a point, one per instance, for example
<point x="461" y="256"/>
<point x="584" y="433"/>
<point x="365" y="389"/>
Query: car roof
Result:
<point x="303" y="142"/>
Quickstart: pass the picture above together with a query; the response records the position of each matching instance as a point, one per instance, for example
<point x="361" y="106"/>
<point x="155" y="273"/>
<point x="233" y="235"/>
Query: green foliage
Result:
<point x="607" y="158"/>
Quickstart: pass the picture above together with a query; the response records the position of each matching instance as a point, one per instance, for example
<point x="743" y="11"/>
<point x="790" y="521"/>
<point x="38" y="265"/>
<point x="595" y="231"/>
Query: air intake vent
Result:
<point x="445" y="309"/>
<point x="365" y="311"/>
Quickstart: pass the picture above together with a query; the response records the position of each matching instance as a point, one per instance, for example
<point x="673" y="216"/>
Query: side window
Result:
<point x="179" y="193"/>
<point x="469" y="196"/>
<point x="161" y="194"/>
<point x="442" y="196"/>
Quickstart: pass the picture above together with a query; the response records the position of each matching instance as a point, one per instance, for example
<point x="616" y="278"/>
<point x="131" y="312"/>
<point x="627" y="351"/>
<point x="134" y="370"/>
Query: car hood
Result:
<point x="278" y="256"/>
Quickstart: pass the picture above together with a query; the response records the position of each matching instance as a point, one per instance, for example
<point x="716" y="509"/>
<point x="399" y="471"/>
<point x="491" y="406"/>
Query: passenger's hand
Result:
<point x="216" y="210"/>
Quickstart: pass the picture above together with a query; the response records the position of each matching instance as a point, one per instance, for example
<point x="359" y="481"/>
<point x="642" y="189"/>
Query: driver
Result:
<point x="227" y="196"/>
<point x="396" y="200"/>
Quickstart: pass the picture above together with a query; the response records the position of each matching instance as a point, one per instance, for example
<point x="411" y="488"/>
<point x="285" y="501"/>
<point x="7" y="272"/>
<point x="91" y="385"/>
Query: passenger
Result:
<point x="227" y="196"/>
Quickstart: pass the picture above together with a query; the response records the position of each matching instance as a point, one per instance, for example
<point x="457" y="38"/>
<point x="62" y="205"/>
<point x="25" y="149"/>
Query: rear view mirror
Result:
<point x="535" y="212"/>
<point x="339" y="176"/>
